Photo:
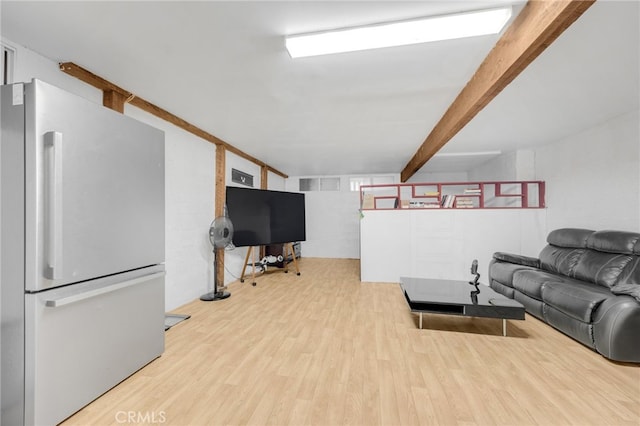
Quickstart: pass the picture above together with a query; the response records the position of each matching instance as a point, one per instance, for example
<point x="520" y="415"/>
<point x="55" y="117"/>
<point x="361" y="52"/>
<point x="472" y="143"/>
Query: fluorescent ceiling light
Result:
<point x="435" y="28"/>
<point x="466" y="154"/>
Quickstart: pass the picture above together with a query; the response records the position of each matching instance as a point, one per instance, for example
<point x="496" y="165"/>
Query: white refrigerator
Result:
<point x="82" y="251"/>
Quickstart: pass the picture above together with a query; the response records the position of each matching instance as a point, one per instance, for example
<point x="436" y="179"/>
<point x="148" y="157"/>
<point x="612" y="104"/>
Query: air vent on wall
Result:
<point x="241" y="177"/>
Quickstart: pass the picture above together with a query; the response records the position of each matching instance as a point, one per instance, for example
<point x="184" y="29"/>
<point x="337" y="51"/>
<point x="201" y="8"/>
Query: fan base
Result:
<point x="213" y="296"/>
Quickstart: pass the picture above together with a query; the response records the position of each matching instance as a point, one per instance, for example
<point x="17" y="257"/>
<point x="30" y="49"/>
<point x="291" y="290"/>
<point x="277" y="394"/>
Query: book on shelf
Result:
<point x="431" y="206"/>
<point x="464" y="200"/>
<point x="368" y="201"/>
<point x="424" y="205"/>
<point x="464" y="203"/>
<point x="448" y="201"/>
<point x="473" y="191"/>
<point x="432" y="193"/>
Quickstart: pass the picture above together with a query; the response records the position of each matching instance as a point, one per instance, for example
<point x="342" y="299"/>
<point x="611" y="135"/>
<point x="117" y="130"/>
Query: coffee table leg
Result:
<point x="420" y="320"/>
<point x="504" y="327"/>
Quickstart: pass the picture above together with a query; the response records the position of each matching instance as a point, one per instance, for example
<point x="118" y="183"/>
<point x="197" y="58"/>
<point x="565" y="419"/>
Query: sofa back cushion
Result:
<point x="608" y="257"/>
<point x="631" y="274"/>
<point x="565" y="248"/>
<point x="614" y="242"/>
<point x="569" y="237"/>
<point x="629" y="280"/>
<point x="560" y="260"/>
<point x="601" y="268"/>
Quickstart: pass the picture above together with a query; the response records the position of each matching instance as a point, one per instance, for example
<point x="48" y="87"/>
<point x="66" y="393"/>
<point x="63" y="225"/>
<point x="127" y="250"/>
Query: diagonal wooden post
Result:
<point x="533" y="30"/>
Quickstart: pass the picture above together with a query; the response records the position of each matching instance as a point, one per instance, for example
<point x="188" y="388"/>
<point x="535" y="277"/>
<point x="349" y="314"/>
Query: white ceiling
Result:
<point x="223" y="67"/>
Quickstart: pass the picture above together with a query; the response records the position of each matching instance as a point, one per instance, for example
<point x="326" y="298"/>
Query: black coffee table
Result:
<point x="449" y="297"/>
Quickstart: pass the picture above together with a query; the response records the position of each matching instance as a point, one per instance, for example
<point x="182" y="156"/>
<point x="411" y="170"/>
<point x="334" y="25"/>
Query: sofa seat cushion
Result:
<point x="502" y="289"/>
<point x="581" y="331"/>
<point x="503" y="272"/>
<point x="530" y="282"/>
<point x="575" y="299"/>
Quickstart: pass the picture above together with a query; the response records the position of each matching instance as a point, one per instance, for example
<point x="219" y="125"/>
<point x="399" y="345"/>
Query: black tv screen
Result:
<point x="262" y="217"/>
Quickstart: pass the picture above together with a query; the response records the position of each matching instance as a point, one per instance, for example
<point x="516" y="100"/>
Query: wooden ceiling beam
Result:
<point x="114" y="95"/>
<point x="532" y="31"/>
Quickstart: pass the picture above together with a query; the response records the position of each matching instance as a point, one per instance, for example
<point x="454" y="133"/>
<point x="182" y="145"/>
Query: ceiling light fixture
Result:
<point x="444" y="27"/>
<point x="467" y="154"/>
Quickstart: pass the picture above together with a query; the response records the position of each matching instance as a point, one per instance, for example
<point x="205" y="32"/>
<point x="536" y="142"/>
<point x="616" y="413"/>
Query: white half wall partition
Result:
<point x="442" y="243"/>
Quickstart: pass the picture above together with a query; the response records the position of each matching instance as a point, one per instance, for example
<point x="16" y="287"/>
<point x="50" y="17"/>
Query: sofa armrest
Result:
<point x="615" y="329"/>
<point x="632" y="290"/>
<point x="517" y="259"/>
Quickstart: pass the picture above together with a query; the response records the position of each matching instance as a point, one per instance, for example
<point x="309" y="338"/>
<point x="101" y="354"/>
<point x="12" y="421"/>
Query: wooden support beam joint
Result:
<point x="114" y="100"/>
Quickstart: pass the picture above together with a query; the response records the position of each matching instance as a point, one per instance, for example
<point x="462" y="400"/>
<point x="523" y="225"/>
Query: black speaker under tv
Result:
<point x="261" y="217"/>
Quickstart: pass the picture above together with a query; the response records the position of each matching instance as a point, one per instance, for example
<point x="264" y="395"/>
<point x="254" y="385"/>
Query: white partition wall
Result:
<point x="442" y="243"/>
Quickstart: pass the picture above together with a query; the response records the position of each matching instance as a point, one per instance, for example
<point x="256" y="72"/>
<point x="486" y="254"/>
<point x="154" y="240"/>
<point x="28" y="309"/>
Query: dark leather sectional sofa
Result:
<point x="584" y="283"/>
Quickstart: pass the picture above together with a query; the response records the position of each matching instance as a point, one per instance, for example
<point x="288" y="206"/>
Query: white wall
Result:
<point x="593" y="178"/>
<point x="332" y="219"/>
<point x="189" y="207"/>
<point x="438" y="177"/>
<point x="189" y="179"/>
<point x="514" y="165"/>
<point x="30" y="65"/>
<point x="275" y="182"/>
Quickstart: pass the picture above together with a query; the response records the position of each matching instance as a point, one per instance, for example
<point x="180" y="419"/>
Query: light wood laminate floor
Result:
<point x="325" y="349"/>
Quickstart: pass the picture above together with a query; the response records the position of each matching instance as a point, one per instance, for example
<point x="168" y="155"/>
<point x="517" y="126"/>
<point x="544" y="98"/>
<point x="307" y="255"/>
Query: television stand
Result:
<point x="264" y="263"/>
<point x="278" y="250"/>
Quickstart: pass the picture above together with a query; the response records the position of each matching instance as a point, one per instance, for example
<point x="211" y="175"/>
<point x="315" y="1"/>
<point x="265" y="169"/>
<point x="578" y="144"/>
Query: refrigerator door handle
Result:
<point x="53" y="205"/>
<point x="66" y="299"/>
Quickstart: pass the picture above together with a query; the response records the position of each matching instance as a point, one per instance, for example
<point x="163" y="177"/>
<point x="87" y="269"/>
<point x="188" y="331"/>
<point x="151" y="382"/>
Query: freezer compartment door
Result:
<point x="83" y="339"/>
<point x="94" y="188"/>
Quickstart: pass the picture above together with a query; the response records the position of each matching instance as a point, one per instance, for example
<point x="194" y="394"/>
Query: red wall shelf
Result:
<point x="438" y="195"/>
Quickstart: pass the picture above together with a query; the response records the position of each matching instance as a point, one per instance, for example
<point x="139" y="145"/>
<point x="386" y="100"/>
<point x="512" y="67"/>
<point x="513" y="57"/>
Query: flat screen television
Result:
<point x="261" y="217"/>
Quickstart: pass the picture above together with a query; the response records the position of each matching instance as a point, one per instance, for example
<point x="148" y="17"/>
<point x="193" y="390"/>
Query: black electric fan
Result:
<point x="221" y="236"/>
